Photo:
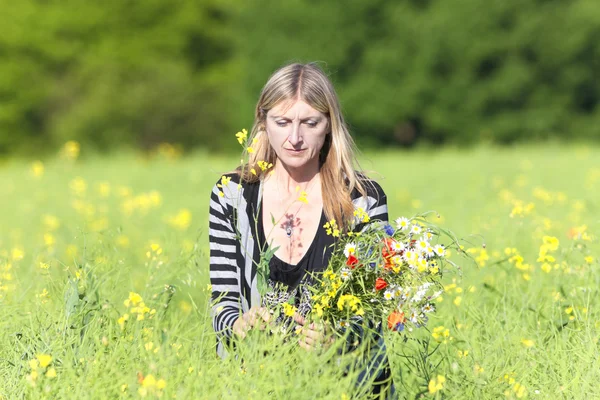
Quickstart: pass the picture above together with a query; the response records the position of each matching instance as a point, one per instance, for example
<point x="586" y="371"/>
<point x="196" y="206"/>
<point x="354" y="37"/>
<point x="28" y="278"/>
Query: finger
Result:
<point x="264" y="314"/>
<point x="299" y="319"/>
<point x="304" y="345"/>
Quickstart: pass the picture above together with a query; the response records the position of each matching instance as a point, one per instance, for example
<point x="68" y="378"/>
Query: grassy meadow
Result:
<point x="104" y="280"/>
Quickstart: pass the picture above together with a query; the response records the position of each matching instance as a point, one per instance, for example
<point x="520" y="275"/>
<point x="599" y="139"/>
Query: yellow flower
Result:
<point x="436" y="384"/>
<point x="149" y="381"/>
<point x="242" y="136"/>
<point x="289" y="309"/>
<point x="250" y="149"/>
<point x="161" y="384"/>
<point x="44" y="359"/>
<point x="361" y="215"/>
<point x="182" y="219"/>
<point x="17" y="254"/>
<point x="551" y="242"/>
<point x="37" y="169"/>
<point x="264" y="165"/>
<point x="303" y="197"/>
<point x="527" y="342"/>
<point x="440" y="333"/>
<point x="70" y="150"/>
<point x="589" y="259"/>
<point x="51" y="373"/>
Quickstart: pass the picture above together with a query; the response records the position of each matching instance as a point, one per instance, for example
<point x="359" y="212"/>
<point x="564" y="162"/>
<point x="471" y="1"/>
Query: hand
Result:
<point x="254" y="317"/>
<point x="312" y="336"/>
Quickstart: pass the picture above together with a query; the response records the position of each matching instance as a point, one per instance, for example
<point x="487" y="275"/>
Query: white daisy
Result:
<point x="415" y="230"/>
<point x="428" y="235"/>
<point x="414" y="316"/>
<point x="429" y="252"/>
<point x="397" y="291"/>
<point x="421" y="245"/>
<point x="439" y="250"/>
<point x="388" y="295"/>
<point x="427" y="308"/>
<point x="350" y="249"/>
<point x="409" y="255"/>
<point x="403" y="224"/>
<point x="398" y="246"/>
<point x="345" y="273"/>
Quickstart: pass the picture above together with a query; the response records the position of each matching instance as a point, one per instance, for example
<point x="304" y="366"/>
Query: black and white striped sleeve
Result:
<point x="224" y="270"/>
<point x="374" y="204"/>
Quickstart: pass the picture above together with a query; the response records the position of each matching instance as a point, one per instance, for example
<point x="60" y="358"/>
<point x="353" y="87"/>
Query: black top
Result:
<point x="315" y="259"/>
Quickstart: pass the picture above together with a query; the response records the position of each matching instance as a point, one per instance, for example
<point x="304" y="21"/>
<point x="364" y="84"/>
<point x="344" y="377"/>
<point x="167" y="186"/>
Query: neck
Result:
<point x="290" y="178"/>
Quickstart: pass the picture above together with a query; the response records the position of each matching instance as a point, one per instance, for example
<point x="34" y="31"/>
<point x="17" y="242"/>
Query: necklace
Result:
<point x="291" y="220"/>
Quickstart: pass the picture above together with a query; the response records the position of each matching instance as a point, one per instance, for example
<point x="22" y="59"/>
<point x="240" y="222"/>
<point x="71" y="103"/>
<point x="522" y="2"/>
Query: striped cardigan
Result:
<point x="234" y="251"/>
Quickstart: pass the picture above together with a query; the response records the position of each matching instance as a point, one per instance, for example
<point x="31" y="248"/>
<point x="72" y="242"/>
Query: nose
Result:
<point x="295" y="137"/>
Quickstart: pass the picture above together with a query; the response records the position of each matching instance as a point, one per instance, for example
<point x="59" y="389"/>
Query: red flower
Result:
<point x="380" y="284"/>
<point x="396" y="320"/>
<point x="352" y="261"/>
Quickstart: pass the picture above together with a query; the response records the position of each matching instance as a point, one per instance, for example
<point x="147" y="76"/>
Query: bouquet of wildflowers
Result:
<point x="383" y="273"/>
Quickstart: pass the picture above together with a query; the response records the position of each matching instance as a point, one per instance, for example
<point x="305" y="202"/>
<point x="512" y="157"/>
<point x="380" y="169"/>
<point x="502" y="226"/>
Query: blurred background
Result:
<point x="134" y="74"/>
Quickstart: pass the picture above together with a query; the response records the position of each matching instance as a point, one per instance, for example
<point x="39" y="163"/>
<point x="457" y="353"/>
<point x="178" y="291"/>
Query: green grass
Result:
<point x="98" y="254"/>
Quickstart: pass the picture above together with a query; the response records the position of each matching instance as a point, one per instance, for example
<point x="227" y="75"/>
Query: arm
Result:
<point x="224" y="271"/>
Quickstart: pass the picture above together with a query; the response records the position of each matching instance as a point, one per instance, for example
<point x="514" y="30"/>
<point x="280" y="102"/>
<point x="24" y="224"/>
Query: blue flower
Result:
<point x="389" y="230"/>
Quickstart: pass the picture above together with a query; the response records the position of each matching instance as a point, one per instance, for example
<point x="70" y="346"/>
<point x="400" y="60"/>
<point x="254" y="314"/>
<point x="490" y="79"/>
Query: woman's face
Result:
<point x="296" y="133"/>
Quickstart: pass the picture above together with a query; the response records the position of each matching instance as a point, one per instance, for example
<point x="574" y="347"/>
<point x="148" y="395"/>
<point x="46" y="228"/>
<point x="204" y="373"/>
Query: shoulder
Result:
<point x="372" y="188"/>
<point x="231" y="190"/>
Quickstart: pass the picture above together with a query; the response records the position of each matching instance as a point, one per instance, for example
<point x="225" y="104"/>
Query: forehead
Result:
<point x="294" y="108"/>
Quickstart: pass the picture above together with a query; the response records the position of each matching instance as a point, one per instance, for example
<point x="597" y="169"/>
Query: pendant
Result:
<point x="288" y="231"/>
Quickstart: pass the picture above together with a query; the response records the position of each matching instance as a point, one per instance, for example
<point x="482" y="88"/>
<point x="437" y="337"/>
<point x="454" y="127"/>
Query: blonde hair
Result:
<point x="337" y="159"/>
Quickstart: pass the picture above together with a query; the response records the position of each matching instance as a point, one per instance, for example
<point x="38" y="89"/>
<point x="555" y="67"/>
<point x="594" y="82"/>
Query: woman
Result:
<point x="300" y="130"/>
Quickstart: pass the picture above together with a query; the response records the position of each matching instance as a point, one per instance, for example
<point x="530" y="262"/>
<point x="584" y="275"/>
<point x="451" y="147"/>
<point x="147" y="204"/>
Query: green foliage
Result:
<point x="136" y="74"/>
<point x="70" y="258"/>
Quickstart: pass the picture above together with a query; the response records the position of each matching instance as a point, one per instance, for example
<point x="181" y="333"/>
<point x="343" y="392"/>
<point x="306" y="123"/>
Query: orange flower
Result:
<point x="396" y="321"/>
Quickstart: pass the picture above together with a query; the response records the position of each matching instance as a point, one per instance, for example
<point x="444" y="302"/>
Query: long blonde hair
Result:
<point x="337" y="160"/>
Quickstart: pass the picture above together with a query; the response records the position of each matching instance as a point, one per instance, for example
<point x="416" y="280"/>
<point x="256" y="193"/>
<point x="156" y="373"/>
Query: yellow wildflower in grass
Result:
<point x="182" y="220"/>
<point x="51" y="223"/>
<point x="133" y="299"/>
<point x="519" y="390"/>
<point x="478" y="369"/>
<point x="49" y="240"/>
<point x="37" y="169"/>
<point x="122" y="241"/>
<point x="103" y="189"/>
<point x="17" y="254"/>
<point x="44" y="265"/>
<point x="589" y="259"/>
<point x="440" y="334"/>
<point x="457" y="301"/>
<point x="436" y="384"/>
<point x="44" y="359"/>
<point x="242" y="136"/>
<point x="78" y="186"/>
<point x="527" y="342"/>
<point x="51" y="373"/>
<point x="121" y="321"/>
<point x="70" y="150"/>
<point x="551" y="242"/>
<point x="34" y="363"/>
<point x="462" y="353"/>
